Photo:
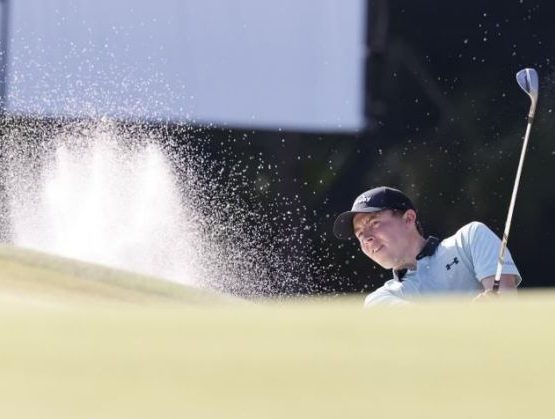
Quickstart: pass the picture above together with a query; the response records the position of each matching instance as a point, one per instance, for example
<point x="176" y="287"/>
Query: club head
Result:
<point x="527" y="79"/>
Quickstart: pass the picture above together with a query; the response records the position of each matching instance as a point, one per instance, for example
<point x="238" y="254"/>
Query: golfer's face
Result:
<point x="382" y="237"/>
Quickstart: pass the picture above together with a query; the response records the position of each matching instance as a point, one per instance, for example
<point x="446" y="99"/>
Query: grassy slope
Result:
<point x="321" y="359"/>
<point x="46" y="279"/>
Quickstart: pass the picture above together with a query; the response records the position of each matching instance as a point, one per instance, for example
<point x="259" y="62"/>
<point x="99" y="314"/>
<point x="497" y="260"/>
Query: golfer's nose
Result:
<point x="368" y="238"/>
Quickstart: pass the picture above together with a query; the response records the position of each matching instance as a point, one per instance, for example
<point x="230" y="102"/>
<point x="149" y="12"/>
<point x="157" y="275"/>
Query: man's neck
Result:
<point x="414" y="249"/>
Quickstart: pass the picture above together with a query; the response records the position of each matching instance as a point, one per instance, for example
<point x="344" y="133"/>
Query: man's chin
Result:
<point x="387" y="266"/>
<point x="384" y="263"/>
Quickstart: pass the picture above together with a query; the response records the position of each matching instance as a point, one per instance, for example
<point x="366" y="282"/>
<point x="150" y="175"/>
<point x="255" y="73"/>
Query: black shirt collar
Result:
<point x="429" y="249"/>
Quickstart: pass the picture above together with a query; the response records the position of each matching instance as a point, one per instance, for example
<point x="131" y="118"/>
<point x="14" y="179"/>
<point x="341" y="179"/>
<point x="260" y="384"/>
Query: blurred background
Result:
<point x="288" y="110"/>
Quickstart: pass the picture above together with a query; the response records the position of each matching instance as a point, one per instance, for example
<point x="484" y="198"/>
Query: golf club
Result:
<point x="527" y="79"/>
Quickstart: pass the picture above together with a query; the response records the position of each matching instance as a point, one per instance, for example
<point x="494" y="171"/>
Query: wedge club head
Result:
<point x="527" y="79"/>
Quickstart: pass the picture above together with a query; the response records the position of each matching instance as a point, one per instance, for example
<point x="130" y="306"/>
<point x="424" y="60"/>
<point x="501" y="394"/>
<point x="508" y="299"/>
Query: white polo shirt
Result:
<point x="455" y="265"/>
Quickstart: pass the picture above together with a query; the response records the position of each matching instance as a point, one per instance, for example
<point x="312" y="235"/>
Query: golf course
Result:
<point x="84" y="341"/>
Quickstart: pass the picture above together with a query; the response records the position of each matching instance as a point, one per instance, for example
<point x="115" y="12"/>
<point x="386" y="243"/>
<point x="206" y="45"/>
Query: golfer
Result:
<point x="386" y="225"/>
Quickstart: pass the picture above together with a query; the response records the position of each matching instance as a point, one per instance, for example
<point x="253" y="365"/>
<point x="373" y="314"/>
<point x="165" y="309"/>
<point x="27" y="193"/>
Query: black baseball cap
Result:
<point x="373" y="200"/>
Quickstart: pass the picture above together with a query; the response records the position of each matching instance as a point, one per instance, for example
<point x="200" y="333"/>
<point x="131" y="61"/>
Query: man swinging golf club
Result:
<point x="385" y="223"/>
<point x="472" y="261"/>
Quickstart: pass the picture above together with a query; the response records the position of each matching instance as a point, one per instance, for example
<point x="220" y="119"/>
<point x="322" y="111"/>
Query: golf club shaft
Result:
<point x="501" y="258"/>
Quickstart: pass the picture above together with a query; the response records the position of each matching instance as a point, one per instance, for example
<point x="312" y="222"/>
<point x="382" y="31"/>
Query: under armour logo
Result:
<point x="455" y="261"/>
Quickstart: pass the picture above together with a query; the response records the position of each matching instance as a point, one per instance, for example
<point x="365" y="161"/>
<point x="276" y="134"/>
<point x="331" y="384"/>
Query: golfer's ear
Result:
<point x="410" y="216"/>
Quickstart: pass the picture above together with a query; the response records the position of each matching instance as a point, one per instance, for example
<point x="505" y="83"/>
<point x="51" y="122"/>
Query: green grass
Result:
<point x="118" y="355"/>
<point x="34" y="277"/>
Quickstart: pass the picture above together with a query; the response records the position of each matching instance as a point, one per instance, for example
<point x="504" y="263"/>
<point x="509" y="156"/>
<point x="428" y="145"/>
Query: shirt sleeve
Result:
<point x="483" y="246"/>
<point x="383" y="297"/>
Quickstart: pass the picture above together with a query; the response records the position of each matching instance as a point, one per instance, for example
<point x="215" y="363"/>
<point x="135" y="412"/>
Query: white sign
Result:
<point x="291" y="64"/>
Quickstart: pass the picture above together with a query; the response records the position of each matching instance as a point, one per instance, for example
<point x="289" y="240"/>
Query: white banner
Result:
<point x="291" y="64"/>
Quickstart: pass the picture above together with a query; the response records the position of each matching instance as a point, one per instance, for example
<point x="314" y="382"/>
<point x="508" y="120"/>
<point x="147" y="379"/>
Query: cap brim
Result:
<point x="343" y="225"/>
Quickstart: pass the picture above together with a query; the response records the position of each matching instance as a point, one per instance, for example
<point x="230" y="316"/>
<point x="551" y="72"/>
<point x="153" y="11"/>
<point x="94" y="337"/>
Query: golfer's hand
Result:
<point x="507" y="285"/>
<point x="487" y="295"/>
